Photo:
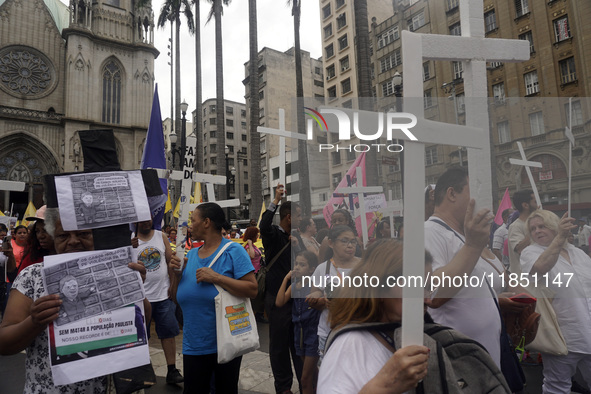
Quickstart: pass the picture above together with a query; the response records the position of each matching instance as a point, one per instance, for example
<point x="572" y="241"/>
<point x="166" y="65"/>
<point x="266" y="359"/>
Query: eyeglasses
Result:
<point x="347" y="242"/>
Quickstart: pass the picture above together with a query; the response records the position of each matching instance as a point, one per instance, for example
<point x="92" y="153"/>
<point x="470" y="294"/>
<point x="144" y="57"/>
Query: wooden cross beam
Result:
<point x="12" y="186"/>
<point x="527" y="164"/>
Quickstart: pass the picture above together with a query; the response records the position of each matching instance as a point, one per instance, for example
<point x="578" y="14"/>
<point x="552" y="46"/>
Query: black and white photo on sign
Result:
<point x="101" y="199"/>
<point x="90" y="283"/>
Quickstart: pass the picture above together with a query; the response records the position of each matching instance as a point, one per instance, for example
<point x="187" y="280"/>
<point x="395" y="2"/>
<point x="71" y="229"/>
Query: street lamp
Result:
<point x="450" y="88"/>
<point x="184" y="107"/>
<point x="230" y="175"/>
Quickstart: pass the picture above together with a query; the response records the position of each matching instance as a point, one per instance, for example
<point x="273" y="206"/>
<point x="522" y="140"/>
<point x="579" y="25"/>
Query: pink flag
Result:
<point x="344" y="201"/>
<point x="505" y="204"/>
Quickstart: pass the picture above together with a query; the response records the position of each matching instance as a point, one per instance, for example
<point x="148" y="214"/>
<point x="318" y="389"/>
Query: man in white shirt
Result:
<point x="499" y="238"/>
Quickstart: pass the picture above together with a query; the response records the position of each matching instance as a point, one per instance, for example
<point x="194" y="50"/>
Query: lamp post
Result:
<point x="397" y="84"/>
<point x="230" y="177"/>
<point x="450" y="88"/>
<point x="184" y="107"/>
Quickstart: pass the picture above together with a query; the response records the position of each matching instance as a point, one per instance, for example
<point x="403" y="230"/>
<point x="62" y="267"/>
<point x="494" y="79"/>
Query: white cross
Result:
<point x="283" y="134"/>
<point x="12" y="186"/>
<point x="571" y="138"/>
<point x="527" y="164"/>
<point x="472" y="47"/>
<point x="187" y="177"/>
<point x="361" y="191"/>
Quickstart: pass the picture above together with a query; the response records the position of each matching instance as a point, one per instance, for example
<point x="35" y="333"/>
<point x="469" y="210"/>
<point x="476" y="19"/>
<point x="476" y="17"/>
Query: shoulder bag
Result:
<point x="258" y="303"/>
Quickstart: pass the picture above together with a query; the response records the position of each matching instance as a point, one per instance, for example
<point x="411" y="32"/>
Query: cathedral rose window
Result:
<point x="26" y="72"/>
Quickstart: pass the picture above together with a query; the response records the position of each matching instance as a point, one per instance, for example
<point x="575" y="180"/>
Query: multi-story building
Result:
<point x="277" y="90"/>
<point x="529" y="100"/>
<point x="64" y="69"/>
<point x="236" y="150"/>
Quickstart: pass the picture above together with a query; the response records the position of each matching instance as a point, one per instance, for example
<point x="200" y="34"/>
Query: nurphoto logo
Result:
<point x="394" y="123"/>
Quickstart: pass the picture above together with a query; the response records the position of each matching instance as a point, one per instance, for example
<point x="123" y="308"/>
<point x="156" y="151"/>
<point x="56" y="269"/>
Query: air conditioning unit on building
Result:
<point x="343" y="68"/>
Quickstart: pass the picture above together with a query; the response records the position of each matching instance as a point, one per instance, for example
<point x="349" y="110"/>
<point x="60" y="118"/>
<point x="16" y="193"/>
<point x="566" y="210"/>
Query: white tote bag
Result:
<point x="236" y="326"/>
<point x="549" y="338"/>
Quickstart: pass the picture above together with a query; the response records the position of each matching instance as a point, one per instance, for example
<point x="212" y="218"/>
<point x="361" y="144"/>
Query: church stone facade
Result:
<point x="64" y="68"/>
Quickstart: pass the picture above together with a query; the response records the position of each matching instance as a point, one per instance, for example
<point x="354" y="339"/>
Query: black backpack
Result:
<point x="457" y="364"/>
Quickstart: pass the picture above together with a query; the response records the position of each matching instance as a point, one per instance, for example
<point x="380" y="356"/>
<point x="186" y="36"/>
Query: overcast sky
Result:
<point x="275" y="30"/>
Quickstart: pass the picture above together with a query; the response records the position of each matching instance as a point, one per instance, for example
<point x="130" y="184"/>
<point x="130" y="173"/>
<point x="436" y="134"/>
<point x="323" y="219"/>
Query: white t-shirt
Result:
<point x="352" y="360"/>
<point x="318" y="275"/>
<point x="472" y="311"/>
<point x="153" y="254"/>
<point x="571" y="303"/>
<point x="499" y="238"/>
<point x="517" y="232"/>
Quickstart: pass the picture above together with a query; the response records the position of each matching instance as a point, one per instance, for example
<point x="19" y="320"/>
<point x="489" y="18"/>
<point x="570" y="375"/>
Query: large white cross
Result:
<point x="12" y="186"/>
<point x="571" y="139"/>
<point x="527" y="164"/>
<point x="474" y="50"/>
<point x="283" y="134"/>
<point x="361" y="190"/>
<point x="187" y="177"/>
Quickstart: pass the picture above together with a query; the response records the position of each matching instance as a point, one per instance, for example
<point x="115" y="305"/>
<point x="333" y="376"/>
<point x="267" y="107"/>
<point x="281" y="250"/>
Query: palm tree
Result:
<point x="216" y="11"/>
<point x="171" y="11"/>
<point x="256" y="191"/>
<point x="303" y="171"/>
<point x="364" y="77"/>
<point x="198" y="126"/>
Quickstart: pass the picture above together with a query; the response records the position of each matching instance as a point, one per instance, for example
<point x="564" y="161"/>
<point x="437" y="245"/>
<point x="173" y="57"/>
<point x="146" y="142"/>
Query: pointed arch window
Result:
<point x="112" y="93"/>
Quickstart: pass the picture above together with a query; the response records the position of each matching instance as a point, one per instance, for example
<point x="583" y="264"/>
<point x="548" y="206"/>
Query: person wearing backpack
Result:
<point x="366" y="332"/>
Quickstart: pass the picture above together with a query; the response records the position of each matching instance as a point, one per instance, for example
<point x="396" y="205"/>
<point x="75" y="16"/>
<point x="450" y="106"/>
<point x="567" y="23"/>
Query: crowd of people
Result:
<point x="307" y="317"/>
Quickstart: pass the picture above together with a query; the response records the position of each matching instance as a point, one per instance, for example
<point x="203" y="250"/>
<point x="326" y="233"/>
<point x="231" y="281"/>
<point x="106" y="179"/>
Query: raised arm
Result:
<point x="284" y="293"/>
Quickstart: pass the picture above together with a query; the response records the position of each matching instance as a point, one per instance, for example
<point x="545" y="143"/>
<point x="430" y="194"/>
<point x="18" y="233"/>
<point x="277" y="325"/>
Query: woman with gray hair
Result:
<point x="565" y="270"/>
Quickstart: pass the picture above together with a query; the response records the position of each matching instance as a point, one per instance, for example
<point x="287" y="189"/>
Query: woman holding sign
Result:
<point x="196" y="292"/>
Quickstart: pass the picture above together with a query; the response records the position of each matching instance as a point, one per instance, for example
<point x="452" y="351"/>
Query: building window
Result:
<point x="428" y="98"/>
<point x="326" y="12"/>
<point x="212" y="121"/>
<point x="567" y="70"/>
<point x="455" y="29"/>
<point x="426" y="71"/>
<point x="499" y="92"/>
<point x="330" y="72"/>
<point x="332" y="92"/>
<point x="319" y="83"/>
<point x="246" y="188"/>
<point x="229" y="136"/>
<point x="458" y="68"/>
<point x="230" y="122"/>
<point x="344" y="62"/>
<point x="536" y="123"/>
<point x="261" y="94"/>
<point x="112" y="93"/>
<point x="245" y="162"/>
<point x="577" y="113"/>
<point x="348" y="104"/>
<point x="230" y="148"/>
<point x="213" y="148"/>
<point x="328" y="30"/>
<point x="416" y="21"/>
<point x="261" y="112"/>
<point x="230" y="110"/>
<point x="329" y="51"/>
<point x="205" y="150"/>
<point x="275" y="173"/>
<point x="214" y="161"/>
<point x="243" y="124"/>
<point x="388" y="36"/>
<point x="350" y="155"/>
<point x="317" y="71"/>
<point x="243" y="150"/>
<point x="390" y="61"/>
<point x="204" y="111"/>
<point x="341" y="21"/>
<point x="340" y="3"/>
<point x="504" y="133"/>
<point x="397" y="191"/>
<point x="530" y="37"/>
<point x="521" y="7"/>
<point x="561" y="29"/>
<point x="431" y="156"/>
<point x="452" y="4"/>
<point x="490" y="21"/>
<point x="205" y="162"/>
<point x="243" y="137"/>
<point x="531" y="83"/>
<point x="346" y="86"/>
<point x="387" y="88"/>
<point x="212" y="135"/>
<point x="336" y="158"/>
<point x="343" y="43"/>
<point x="336" y="179"/>
<point x="243" y="113"/>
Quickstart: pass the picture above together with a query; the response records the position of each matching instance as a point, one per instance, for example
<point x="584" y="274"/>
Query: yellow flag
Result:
<point x="1" y="213"/>
<point x="261" y="214"/>
<point x="196" y="198"/>
<point x="177" y="209"/>
<point x="168" y="206"/>
<point x="30" y="211"/>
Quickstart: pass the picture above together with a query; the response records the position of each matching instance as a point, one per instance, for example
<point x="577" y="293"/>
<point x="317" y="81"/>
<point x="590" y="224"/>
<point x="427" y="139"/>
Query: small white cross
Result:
<point x="527" y="164"/>
<point x="571" y="138"/>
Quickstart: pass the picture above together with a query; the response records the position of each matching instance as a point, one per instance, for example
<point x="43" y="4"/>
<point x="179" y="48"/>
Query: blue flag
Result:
<point x="155" y="157"/>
